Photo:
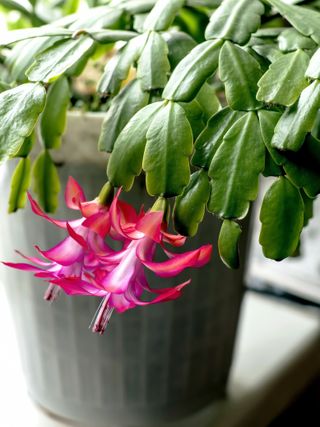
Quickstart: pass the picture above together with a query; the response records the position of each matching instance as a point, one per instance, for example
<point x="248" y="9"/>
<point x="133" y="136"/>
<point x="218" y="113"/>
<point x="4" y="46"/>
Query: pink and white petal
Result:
<point x="169" y="295"/>
<point x="38" y="211"/>
<point x="91" y="208"/>
<point x="35" y="260"/>
<point x="65" y="253"/>
<point x="179" y="262"/>
<point x="93" y="280"/>
<point x="76" y="286"/>
<point x="123" y="219"/>
<point x="23" y="266"/>
<point x="46" y="275"/>
<point x="150" y="225"/>
<point x="73" y="270"/>
<point x="120" y="303"/>
<point x="115" y="218"/>
<point x="74" y="194"/>
<point x="78" y="237"/>
<point x="141" y="285"/>
<point x="113" y="259"/>
<point x="146" y="248"/>
<point x="98" y="245"/>
<point x="124" y="273"/>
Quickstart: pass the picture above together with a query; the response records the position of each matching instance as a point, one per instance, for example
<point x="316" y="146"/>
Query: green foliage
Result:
<point x="194" y="115"/>
<point x="193" y="20"/>
<point x="134" y="6"/>
<point x="4" y="86"/>
<point x="271" y="168"/>
<point x="19" y="185"/>
<point x="284" y="81"/>
<point x="282" y="218"/>
<point x="167" y="107"/>
<point x="291" y="40"/>
<point x="240" y="73"/>
<point x="46" y="183"/>
<point x="304" y="20"/>
<point x="212" y="136"/>
<point x="117" y="69"/>
<point x="153" y="64"/>
<point x="302" y="167"/>
<point x="129" y="148"/>
<point x="22" y="56"/>
<point x="208" y="101"/>
<point x="190" y="206"/>
<point x="26" y="146"/>
<point x="111" y="36"/>
<point x="53" y="117"/>
<point x="313" y="71"/>
<point x="56" y="60"/>
<point x="235" y="169"/>
<point x="167" y="152"/>
<point x="162" y="15"/>
<point x="19" y="111"/>
<point x="179" y="45"/>
<point x="297" y="120"/>
<point x="228" y="243"/>
<point x="235" y="20"/>
<point x="25" y="9"/>
<point x="123" y="107"/>
<point x="308" y="208"/>
<point x="11" y="37"/>
<point x="193" y="71"/>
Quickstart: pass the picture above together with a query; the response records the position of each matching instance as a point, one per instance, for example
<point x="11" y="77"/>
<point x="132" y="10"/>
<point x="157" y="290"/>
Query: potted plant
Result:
<point x="165" y="63"/>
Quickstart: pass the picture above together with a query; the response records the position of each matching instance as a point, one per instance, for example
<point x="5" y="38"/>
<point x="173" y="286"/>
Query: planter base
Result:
<point x="157" y="363"/>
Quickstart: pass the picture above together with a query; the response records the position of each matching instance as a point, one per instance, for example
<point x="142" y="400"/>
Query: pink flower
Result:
<point x="71" y="257"/>
<point x="125" y="283"/>
<point x="84" y="264"/>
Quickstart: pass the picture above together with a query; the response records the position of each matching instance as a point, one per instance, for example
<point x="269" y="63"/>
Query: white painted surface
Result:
<point x="276" y="356"/>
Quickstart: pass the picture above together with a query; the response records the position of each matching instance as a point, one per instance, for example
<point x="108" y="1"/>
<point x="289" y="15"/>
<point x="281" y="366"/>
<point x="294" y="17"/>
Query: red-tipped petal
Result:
<point x="74" y="194"/>
<point x="167" y="295"/>
<point x="173" y="239"/>
<point x="120" y="303"/>
<point x="38" y="211"/>
<point x="115" y="216"/>
<point x="90" y="208"/>
<point x="99" y="223"/>
<point x="128" y="213"/>
<point x="171" y="294"/>
<point x="35" y="260"/>
<point x="76" y="236"/>
<point x="150" y="225"/>
<point x="24" y="266"/>
<point x="123" y="218"/>
<point x="179" y="262"/>
<point x="76" y="286"/>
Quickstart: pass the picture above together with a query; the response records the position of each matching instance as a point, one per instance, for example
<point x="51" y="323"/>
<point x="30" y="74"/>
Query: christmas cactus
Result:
<point x="202" y="97"/>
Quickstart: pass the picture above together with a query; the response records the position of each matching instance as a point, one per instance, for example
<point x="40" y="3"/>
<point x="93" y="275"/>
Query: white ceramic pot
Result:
<point x="154" y="364"/>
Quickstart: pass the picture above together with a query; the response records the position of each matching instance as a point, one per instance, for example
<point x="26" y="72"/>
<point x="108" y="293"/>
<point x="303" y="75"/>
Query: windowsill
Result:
<point x="277" y="355"/>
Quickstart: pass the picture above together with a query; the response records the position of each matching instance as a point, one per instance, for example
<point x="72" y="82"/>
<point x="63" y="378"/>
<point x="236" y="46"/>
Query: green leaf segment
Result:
<point x="19" y="111"/>
<point x="167" y="152"/>
<point x="282" y="218"/>
<point x="228" y="243"/>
